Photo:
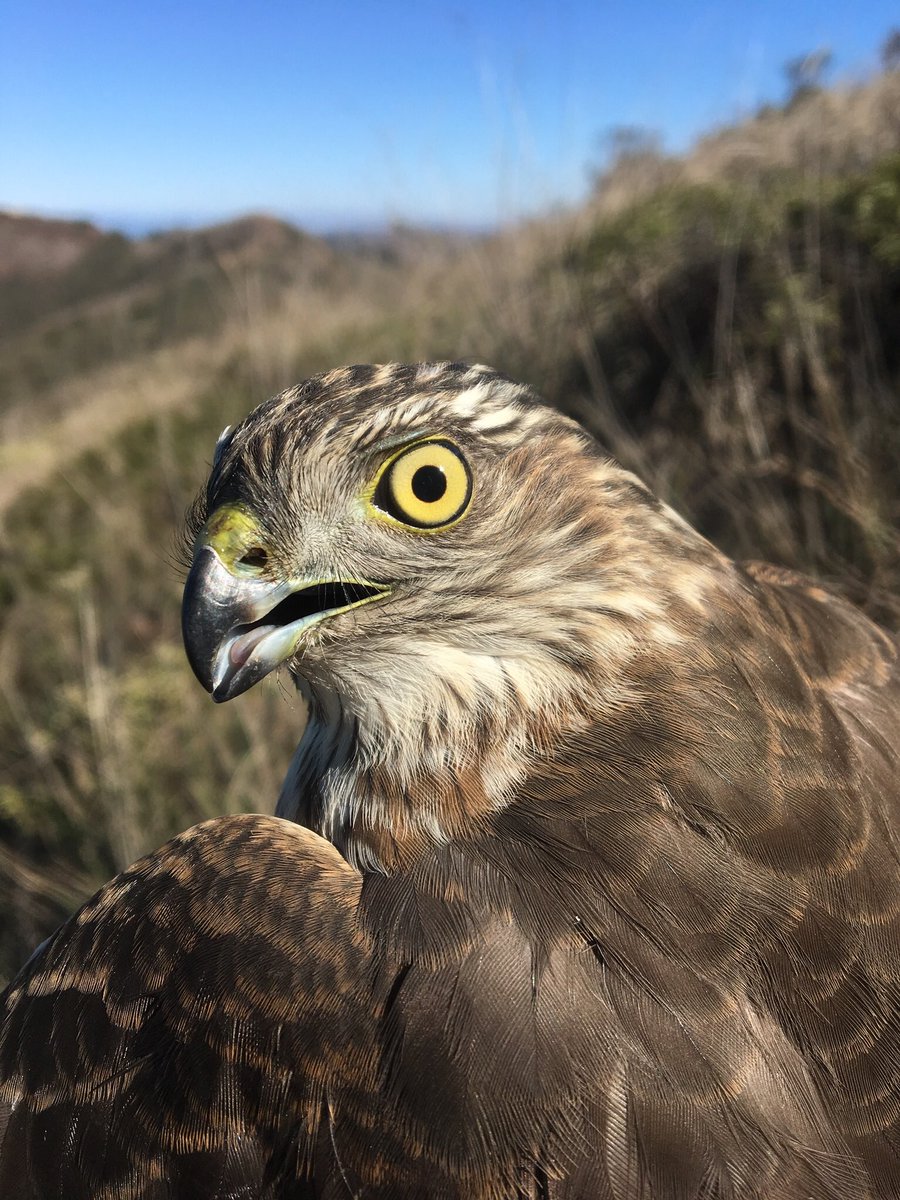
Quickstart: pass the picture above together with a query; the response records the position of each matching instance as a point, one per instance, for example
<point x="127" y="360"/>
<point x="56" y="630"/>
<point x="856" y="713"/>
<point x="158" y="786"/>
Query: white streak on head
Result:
<point x="222" y="443"/>
<point x="466" y="404"/>
<point x="429" y="372"/>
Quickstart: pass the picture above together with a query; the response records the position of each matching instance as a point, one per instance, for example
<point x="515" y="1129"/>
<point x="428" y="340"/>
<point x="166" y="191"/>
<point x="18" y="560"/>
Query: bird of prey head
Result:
<point x="454" y="575"/>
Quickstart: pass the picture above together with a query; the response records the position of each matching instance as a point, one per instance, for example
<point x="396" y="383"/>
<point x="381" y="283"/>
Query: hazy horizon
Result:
<point x="141" y="225"/>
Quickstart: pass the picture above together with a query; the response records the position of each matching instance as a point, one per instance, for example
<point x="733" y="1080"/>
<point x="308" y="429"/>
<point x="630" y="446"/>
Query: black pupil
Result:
<point x="429" y="484"/>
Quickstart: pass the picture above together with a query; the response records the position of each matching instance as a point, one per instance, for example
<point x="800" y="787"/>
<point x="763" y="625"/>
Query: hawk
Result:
<point x="584" y="881"/>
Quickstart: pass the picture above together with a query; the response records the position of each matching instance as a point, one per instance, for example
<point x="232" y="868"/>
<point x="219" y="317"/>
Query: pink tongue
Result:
<point x="242" y="647"/>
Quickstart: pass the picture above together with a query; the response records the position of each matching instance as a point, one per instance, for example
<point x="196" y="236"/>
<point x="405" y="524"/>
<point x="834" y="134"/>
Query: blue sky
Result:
<point x="340" y="112"/>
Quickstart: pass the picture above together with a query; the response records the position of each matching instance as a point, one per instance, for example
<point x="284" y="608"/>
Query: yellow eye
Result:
<point x="427" y="486"/>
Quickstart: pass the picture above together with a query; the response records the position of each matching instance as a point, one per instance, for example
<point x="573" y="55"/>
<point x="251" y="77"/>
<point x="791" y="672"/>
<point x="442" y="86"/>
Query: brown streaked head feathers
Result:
<point x="514" y="625"/>
<point x="584" y="884"/>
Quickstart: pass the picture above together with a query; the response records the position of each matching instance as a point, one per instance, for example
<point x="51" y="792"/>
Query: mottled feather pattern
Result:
<point x="585" y="880"/>
<point x="167" y="1026"/>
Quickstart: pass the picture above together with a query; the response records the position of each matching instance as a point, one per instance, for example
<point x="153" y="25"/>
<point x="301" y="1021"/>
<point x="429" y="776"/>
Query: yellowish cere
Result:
<point x="231" y="531"/>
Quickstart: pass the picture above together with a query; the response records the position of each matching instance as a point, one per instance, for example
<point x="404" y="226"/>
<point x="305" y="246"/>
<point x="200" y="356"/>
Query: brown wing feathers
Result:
<point x="179" y="1027"/>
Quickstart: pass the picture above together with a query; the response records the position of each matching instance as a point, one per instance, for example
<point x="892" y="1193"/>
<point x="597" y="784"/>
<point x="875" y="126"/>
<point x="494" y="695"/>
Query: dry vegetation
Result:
<point x="727" y="324"/>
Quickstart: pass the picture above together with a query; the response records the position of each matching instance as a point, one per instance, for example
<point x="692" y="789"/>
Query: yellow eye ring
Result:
<point x="427" y="486"/>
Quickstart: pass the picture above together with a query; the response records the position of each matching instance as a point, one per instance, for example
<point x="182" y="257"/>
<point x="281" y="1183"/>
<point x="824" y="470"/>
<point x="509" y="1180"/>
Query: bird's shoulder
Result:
<point x="798" y="784"/>
<point x="165" y="1020"/>
<point x="836" y="643"/>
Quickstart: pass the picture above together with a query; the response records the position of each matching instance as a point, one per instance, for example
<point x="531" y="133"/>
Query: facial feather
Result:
<point x="512" y="628"/>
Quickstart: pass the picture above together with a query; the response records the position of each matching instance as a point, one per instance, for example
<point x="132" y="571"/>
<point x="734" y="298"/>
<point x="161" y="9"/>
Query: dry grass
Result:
<point x="96" y="406"/>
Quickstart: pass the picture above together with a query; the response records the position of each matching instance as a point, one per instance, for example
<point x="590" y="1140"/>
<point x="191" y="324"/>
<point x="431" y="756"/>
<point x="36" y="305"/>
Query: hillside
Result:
<point x="33" y="248"/>
<point x="71" y="304"/>
<point x="726" y="323"/>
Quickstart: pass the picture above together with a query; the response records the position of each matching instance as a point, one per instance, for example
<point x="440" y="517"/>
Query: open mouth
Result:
<point x="329" y="596"/>
<point x="297" y="612"/>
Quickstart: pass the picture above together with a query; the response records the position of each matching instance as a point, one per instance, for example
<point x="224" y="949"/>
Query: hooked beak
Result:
<point x="238" y="626"/>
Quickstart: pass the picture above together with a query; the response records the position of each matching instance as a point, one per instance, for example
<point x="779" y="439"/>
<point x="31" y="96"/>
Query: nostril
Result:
<point x="254" y="557"/>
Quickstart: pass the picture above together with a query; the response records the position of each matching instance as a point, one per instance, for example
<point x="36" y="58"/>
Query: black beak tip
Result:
<point x="220" y="694"/>
<point x="201" y="664"/>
